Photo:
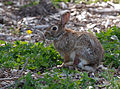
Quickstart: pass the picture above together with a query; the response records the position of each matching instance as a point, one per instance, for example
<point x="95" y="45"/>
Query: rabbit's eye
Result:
<point x="54" y="28"/>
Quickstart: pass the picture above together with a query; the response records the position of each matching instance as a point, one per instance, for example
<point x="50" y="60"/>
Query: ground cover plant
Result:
<point x="110" y="40"/>
<point x="42" y="58"/>
<point x="14" y="55"/>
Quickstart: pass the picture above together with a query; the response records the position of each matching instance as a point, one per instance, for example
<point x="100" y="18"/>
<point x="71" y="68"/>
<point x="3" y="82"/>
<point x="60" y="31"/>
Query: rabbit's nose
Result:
<point x="47" y="33"/>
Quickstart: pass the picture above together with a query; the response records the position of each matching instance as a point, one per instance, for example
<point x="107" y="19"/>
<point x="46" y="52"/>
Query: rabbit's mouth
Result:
<point x="49" y="37"/>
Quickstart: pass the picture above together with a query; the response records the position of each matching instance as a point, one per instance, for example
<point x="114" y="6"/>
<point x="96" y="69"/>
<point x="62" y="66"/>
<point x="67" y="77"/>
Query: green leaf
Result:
<point x="18" y="60"/>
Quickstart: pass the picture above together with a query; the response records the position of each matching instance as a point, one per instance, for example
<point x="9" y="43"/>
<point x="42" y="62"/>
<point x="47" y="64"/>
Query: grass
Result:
<point x="54" y="80"/>
<point x="111" y="43"/>
<point x="40" y="57"/>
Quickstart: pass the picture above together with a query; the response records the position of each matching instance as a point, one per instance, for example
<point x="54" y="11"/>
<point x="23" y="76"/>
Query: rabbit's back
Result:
<point x="89" y="48"/>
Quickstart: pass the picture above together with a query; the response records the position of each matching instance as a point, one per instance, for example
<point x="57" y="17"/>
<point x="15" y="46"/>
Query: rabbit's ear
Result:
<point x="65" y="18"/>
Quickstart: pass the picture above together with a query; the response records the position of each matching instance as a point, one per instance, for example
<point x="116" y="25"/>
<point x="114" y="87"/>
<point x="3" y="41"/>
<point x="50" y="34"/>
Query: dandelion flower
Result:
<point x="29" y="32"/>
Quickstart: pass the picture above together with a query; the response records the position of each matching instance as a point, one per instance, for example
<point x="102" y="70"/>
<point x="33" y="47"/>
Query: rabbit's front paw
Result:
<point x="66" y="64"/>
<point x="70" y="63"/>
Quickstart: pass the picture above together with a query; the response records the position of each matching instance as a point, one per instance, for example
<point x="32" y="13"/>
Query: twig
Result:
<point x="104" y="10"/>
<point x="19" y="26"/>
<point x="8" y="79"/>
<point x="24" y="66"/>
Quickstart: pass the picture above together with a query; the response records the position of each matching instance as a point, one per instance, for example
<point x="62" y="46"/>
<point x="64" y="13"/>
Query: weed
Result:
<point x="14" y="55"/>
<point x="111" y="43"/>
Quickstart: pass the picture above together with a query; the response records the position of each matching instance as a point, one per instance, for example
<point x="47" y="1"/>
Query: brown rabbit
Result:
<point x="80" y="49"/>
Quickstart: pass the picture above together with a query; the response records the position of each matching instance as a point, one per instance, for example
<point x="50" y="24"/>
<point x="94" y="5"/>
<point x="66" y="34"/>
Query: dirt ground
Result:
<point x="15" y="20"/>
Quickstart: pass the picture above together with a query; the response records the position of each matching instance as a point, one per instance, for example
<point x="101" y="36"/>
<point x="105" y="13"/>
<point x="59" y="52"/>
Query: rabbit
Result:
<point x="80" y="49"/>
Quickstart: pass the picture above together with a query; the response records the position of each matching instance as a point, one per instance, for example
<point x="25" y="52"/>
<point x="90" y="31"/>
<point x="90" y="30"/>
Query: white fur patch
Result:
<point x="82" y="63"/>
<point x="72" y="55"/>
<point x="92" y="42"/>
<point x="69" y="63"/>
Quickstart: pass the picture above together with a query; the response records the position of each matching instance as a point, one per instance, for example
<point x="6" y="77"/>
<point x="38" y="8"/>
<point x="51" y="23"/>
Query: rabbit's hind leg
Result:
<point x="68" y="60"/>
<point x="84" y="65"/>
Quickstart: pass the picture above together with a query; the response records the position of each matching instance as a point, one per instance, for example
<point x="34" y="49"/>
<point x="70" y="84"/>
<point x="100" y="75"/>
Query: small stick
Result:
<point x="8" y="79"/>
<point x="24" y="65"/>
<point x="14" y="78"/>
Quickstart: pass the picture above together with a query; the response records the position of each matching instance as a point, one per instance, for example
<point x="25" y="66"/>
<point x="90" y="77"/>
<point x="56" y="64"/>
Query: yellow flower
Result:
<point x="29" y="32"/>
